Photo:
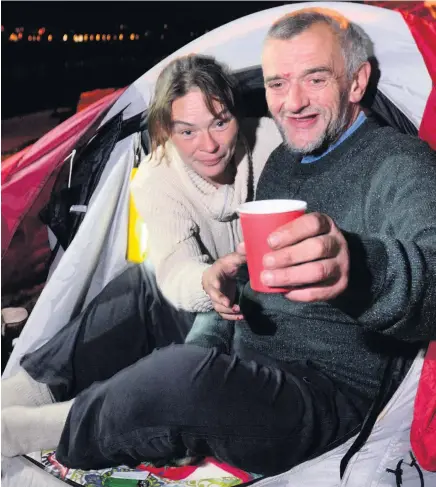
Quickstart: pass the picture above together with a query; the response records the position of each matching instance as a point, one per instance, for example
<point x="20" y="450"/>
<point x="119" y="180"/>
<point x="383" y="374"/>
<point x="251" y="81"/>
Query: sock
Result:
<point x="22" y="390"/>
<point x="29" y="429"/>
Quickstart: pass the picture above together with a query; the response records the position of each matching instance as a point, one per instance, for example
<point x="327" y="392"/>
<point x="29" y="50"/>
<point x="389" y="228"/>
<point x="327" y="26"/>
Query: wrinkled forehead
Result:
<point x="316" y="46"/>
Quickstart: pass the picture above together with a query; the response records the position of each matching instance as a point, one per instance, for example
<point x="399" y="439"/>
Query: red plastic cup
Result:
<point x="258" y="220"/>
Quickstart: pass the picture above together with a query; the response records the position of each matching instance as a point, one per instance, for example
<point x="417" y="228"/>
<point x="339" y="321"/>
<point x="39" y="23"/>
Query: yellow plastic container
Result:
<point x="137" y="239"/>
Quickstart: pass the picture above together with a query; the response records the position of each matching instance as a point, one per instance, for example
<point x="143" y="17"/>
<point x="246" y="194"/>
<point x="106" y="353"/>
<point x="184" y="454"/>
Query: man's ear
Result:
<point x="360" y="83"/>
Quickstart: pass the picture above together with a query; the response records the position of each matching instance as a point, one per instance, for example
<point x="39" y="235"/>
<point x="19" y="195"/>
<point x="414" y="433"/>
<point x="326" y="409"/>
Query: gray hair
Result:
<point x="355" y="43"/>
<point x="181" y="76"/>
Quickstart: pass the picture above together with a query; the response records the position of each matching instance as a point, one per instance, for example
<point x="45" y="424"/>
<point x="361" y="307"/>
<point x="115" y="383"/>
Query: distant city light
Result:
<point x="78" y="38"/>
<point x="43" y="34"/>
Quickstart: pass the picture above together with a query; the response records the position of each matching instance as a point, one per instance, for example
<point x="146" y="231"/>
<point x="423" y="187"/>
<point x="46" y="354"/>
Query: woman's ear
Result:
<point x="360" y="83"/>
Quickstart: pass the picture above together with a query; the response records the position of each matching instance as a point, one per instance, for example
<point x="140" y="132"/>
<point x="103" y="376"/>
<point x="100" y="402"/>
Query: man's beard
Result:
<point x="334" y="130"/>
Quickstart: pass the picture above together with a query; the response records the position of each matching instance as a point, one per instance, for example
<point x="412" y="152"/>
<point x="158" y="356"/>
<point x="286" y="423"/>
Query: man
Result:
<point x="361" y="270"/>
<point x="366" y="257"/>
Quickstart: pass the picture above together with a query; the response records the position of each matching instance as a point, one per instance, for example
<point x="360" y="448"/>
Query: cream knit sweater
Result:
<point x="190" y="222"/>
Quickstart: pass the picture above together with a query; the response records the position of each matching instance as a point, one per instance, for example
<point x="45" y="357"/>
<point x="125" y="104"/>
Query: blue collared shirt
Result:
<point x="357" y="123"/>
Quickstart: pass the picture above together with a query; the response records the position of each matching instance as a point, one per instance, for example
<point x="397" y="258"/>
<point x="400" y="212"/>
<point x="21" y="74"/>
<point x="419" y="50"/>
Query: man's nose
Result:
<point x="296" y="99"/>
<point x="208" y="143"/>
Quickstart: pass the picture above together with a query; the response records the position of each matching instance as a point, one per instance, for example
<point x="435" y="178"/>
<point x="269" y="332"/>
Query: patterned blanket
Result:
<point x="208" y="473"/>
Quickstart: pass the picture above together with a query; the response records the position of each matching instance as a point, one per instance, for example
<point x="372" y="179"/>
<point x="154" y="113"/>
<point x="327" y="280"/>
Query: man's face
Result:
<point x="204" y="142"/>
<point x="307" y="89"/>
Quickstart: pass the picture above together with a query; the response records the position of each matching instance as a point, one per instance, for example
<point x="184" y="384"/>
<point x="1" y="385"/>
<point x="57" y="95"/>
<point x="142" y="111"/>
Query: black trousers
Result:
<point x="184" y="399"/>
<point x="125" y="322"/>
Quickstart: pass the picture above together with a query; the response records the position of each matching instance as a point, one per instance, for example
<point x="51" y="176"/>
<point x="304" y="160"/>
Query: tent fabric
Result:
<point x="27" y="183"/>
<point x="97" y="253"/>
<point x="9" y="164"/>
<point x="423" y="428"/>
<point x="424" y="33"/>
<point x="77" y="186"/>
<point x="87" y="265"/>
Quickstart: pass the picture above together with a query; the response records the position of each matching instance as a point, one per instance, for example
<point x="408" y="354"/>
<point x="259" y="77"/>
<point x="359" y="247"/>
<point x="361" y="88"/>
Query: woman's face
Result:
<point x="204" y="142"/>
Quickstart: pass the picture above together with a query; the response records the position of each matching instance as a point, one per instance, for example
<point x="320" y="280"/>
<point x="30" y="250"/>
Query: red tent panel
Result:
<point x="27" y="182"/>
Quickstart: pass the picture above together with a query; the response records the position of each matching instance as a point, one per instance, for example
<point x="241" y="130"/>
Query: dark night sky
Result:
<point x="143" y="14"/>
<point x="45" y="75"/>
<point x="39" y="75"/>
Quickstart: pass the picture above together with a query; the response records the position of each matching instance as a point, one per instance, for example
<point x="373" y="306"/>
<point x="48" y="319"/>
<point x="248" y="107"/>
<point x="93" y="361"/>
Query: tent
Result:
<point x="94" y="246"/>
<point x="28" y="178"/>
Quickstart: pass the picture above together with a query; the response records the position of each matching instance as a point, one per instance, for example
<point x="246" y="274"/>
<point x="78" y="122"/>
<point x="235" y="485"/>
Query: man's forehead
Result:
<point x="302" y="52"/>
<point x="319" y="36"/>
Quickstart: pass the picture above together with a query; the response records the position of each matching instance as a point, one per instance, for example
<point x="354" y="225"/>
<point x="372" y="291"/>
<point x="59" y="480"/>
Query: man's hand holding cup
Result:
<point x="303" y="256"/>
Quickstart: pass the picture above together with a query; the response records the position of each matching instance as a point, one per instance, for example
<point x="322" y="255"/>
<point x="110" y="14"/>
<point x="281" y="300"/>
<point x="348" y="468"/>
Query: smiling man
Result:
<point x="311" y="92"/>
<point x="360" y="266"/>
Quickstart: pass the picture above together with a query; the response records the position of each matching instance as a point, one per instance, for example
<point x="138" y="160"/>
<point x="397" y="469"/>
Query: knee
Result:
<point x="184" y="361"/>
<point x="177" y="374"/>
<point x="186" y="370"/>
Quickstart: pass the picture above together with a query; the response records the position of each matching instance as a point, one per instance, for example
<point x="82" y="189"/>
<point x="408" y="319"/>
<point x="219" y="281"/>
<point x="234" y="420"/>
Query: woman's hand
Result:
<point x="220" y="284"/>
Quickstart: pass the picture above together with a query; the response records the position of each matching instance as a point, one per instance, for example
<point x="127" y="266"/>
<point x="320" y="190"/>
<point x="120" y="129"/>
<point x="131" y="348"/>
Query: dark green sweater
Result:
<point x="379" y="186"/>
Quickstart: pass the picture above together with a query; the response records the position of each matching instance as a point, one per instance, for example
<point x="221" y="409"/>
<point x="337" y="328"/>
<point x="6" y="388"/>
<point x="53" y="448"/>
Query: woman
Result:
<point x="202" y="167"/>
